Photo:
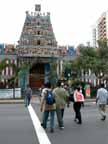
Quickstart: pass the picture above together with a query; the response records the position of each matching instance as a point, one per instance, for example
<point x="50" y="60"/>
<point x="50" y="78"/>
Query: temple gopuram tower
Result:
<point x="37" y="48"/>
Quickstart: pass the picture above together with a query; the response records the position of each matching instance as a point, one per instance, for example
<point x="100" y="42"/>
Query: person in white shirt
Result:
<point x="101" y="99"/>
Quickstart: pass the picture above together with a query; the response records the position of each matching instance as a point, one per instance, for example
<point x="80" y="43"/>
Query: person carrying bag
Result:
<point x="78" y="100"/>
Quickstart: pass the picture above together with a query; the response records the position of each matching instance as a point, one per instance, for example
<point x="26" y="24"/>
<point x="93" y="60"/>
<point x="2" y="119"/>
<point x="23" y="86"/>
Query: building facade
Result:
<point x="100" y="31"/>
<point x="37" y="50"/>
<point x="103" y="26"/>
<point x="94" y="37"/>
<point x="37" y="47"/>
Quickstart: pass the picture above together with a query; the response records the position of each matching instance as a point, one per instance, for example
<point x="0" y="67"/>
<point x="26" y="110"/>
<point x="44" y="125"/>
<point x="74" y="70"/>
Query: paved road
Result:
<point x="16" y="126"/>
<point x="92" y="131"/>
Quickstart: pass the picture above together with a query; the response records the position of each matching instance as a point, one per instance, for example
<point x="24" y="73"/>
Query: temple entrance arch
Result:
<point x="36" y="75"/>
<point x="37" y="72"/>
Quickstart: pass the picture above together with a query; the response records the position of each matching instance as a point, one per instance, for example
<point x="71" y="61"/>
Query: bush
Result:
<point x="93" y="92"/>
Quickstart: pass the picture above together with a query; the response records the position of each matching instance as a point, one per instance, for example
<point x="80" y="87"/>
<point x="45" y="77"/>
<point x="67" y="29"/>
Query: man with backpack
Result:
<point x="48" y="107"/>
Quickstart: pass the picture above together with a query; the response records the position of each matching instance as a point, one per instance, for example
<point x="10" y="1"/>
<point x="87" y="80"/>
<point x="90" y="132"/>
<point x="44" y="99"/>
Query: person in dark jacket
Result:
<point x="27" y="95"/>
<point x="61" y="96"/>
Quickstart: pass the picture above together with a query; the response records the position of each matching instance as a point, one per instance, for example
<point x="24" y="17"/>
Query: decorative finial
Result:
<point x="27" y="12"/>
<point x="38" y="7"/>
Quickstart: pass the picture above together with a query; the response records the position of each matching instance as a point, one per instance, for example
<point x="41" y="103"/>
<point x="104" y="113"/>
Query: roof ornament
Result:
<point x="27" y="12"/>
<point x="38" y="7"/>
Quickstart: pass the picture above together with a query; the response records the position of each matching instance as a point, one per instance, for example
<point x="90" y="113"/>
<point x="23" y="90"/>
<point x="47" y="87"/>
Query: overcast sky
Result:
<point x="72" y="20"/>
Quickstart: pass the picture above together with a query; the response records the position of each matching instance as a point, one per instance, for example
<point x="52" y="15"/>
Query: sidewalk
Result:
<point x="11" y="101"/>
<point x="15" y="101"/>
<point x="90" y="100"/>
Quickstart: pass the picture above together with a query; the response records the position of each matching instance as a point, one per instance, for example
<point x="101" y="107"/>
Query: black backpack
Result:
<point x="50" y="100"/>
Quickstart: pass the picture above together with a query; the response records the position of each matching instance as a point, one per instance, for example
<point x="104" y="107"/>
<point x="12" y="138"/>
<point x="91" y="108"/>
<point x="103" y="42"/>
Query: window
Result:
<point x="38" y="23"/>
<point x="38" y="42"/>
<point x="38" y="32"/>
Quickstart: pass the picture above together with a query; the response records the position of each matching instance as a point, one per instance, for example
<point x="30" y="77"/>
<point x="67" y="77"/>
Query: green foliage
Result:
<point x="13" y="79"/>
<point x="78" y="83"/>
<point x="95" y="59"/>
<point x="3" y="64"/>
<point x="93" y="92"/>
<point x="87" y="59"/>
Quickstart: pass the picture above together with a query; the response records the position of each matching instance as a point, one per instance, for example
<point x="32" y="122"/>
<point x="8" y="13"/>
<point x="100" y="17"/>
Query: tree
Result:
<point x="87" y="58"/>
<point x="67" y="69"/>
<point x="16" y="69"/>
<point x="3" y="65"/>
<point x="103" y="56"/>
<point x="95" y="59"/>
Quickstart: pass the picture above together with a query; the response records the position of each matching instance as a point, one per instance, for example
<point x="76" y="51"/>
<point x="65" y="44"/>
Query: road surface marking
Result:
<point x="41" y="134"/>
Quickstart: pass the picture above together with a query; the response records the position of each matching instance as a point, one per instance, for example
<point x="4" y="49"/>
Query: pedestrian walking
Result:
<point x="61" y="96"/>
<point x="83" y="92"/>
<point x="27" y="95"/>
<point x="101" y="100"/>
<point x="48" y="106"/>
<point x="78" y="99"/>
<point x="43" y="93"/>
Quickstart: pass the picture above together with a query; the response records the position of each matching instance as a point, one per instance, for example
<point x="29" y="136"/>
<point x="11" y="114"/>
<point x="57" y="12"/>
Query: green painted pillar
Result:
<point x="46" y="71"/>
<point x="23" y="78"/>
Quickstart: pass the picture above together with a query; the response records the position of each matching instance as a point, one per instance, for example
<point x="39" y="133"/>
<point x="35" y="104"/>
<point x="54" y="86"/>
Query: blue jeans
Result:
<point x="45" y="118"/>
<point x="26" y="101"/>
<point x="60" y="113"/>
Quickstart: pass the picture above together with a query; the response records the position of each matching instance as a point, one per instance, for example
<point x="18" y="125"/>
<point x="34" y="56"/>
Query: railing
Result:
<point x="10" y="93"/>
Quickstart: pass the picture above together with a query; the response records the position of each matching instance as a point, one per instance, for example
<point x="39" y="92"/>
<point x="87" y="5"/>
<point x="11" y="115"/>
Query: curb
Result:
<point x="3" y="101"/>
<point x="12" y="101"/>
<point x="90" y="100"/>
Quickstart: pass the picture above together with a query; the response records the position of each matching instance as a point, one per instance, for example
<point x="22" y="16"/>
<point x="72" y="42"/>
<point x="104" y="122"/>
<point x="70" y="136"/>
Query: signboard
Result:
<point x="87" y="90"/>
<point x="71" y="51"/>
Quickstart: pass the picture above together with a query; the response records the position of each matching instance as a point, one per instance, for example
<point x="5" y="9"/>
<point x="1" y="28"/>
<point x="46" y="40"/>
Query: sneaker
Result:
<point x="75" y="120"/>
<point x="61" y="128"/>
<point x="42" y="124"/>
<point x="52" y="130"/>
<point x="79" y="122"/>
<point x="103" y="118"/>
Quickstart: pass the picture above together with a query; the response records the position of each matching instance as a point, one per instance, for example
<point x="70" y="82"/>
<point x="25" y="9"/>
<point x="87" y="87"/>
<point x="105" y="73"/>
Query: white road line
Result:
<point x="41" y="134"/>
